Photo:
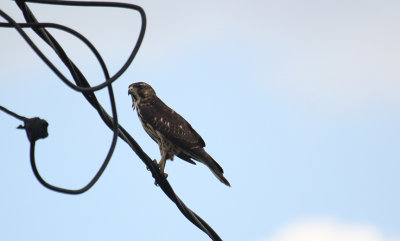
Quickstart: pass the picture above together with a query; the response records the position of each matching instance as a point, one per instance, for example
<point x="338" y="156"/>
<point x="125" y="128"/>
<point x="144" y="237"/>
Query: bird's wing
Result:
<point x="170" y="124"/>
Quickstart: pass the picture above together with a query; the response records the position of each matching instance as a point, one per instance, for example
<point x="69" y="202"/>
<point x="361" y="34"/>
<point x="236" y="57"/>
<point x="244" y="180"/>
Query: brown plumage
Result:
<point x="174" y="135"/>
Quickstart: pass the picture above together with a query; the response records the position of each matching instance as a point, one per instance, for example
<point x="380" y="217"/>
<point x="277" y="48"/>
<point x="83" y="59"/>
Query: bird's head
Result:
<point x="141" y="91"/>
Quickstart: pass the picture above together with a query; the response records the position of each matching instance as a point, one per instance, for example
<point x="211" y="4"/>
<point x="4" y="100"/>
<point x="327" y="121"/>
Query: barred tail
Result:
<point x="202" y="156"/>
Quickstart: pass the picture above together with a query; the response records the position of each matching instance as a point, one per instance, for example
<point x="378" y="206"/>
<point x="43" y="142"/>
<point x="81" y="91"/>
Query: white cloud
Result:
<point x="327" y="230"/>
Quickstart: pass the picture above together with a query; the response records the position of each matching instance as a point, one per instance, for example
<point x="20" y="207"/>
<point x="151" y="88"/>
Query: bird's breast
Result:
<point x="136" y="105"/>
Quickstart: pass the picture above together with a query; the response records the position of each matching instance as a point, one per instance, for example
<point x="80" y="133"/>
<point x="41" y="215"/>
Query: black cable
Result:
<point x="83" y="86"/>
<point x="106" y="4"/>
<point x="66" y="29"/>
<point x="78" y="3"/>
<point x="12" y="113"/>
<point x="112" y="100"/>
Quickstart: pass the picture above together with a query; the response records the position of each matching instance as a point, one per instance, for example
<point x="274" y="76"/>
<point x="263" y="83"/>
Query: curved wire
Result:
<point x="112" y="100"/>
<point x="66" y="29"/>
<point x="91" y="182"/>
<point x="107" y="4"/>
<point x="88" y="4"/>
<point x="87" y="91"/>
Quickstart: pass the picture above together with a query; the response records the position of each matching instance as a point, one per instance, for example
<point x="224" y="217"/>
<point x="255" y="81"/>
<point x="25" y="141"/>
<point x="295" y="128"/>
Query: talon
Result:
<point x="165" y="176"/>
<point x="155" y="161"/>
<point x="161" y="166"/>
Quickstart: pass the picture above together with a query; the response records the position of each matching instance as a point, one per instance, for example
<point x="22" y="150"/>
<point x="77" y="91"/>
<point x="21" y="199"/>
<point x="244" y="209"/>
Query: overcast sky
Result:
<point x="298" y="101"/>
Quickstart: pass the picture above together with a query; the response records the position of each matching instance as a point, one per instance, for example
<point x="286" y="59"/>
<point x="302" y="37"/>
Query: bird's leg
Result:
<point x="161" y="165"/>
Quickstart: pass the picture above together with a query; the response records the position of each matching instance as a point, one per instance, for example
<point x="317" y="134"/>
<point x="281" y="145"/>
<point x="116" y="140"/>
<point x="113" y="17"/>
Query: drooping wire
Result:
<point x="112" y="100"/>
<point x="84" y="87"/>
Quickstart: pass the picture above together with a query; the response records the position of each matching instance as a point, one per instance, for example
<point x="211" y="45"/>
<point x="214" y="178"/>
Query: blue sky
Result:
<point x="296" y="100"/>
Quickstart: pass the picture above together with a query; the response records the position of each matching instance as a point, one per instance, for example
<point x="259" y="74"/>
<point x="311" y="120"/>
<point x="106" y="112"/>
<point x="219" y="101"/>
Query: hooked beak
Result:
<point x="130" y="90"/>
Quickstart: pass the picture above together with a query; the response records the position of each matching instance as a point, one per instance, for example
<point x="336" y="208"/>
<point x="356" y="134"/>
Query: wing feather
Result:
<point x="170" y="124"/>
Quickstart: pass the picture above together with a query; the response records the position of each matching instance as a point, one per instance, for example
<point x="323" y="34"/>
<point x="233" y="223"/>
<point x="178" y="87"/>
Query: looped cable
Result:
<point x="83" y="86"/>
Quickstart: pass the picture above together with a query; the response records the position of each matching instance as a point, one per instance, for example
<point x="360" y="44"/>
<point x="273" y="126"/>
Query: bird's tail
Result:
<point x="216" y="169"/>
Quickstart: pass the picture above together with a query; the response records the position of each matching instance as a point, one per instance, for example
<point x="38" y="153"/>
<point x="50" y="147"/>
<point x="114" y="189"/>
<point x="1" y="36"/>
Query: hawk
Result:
<point x="174" y="135"/>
